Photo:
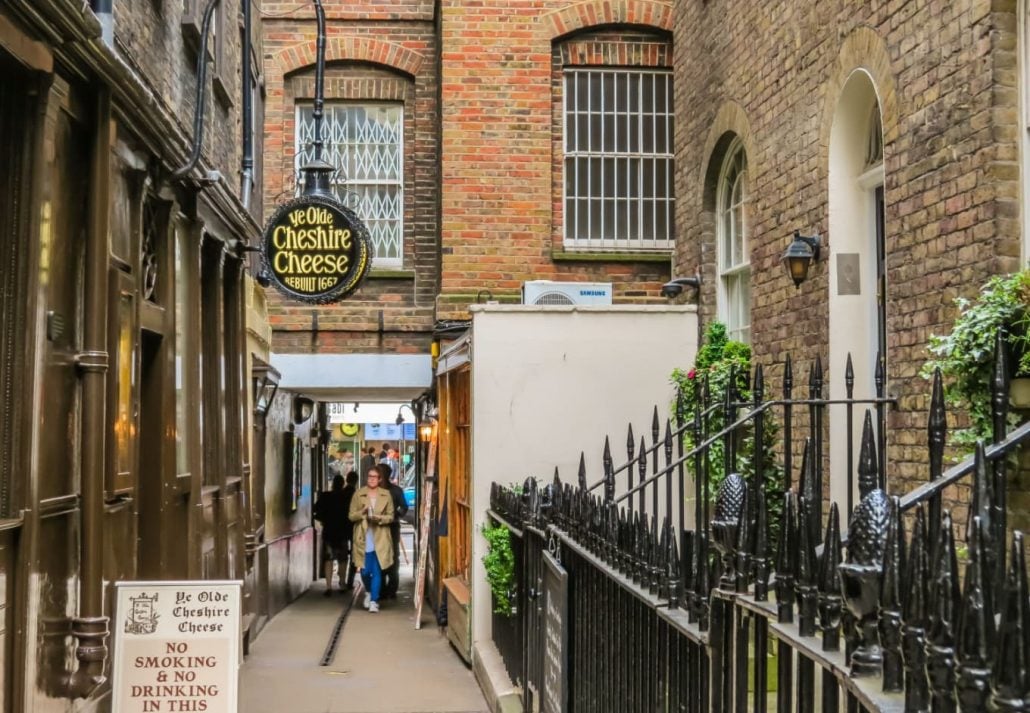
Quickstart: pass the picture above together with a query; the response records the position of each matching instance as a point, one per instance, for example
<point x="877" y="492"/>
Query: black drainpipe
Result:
<point x="198" y="108"/>
<point x="247" y="164"/>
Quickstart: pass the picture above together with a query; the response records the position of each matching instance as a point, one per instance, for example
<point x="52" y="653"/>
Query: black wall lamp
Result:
<point x="266" y="384"/>
<point x="800" y="255"/>
<point x="674" y="287"/>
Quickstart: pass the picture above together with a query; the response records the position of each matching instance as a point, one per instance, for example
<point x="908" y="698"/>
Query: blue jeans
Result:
<point x="372" y="575"/>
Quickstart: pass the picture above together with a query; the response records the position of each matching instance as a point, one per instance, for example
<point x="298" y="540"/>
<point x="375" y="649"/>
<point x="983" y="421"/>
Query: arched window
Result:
<point x="733" y="245"/>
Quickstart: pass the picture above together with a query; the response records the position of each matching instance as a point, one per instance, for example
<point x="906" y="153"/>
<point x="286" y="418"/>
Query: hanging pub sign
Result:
<point x="316" y="250"/>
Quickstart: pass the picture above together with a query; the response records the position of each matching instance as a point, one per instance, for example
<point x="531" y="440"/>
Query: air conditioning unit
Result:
<point x="548" y="292"/>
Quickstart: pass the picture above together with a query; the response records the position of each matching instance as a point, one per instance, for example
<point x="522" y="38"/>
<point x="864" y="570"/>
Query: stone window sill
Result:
<point x="391" y="274"/>
<point x="614" y="256"/>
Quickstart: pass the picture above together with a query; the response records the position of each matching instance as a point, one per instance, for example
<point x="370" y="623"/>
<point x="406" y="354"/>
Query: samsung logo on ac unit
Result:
<point x="556" y="293"/>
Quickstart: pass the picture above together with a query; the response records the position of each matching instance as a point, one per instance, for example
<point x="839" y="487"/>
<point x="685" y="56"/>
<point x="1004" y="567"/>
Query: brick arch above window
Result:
<point x="592" y="13"/>
<point x="730" y="124"/>
<point x="614" y="47"/>
<point x="352" y="48"/>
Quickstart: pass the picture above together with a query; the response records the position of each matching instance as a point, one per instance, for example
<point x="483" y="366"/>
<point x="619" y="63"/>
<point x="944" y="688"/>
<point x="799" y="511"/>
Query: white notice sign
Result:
<point x="176" y="647"/>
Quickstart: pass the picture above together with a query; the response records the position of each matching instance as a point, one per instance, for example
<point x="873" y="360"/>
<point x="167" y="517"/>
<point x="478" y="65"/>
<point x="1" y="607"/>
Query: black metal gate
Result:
<point x="869" y="614"/>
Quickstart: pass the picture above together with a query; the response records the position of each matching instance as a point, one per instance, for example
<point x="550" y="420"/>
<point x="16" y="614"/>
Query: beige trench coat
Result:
<point x="379" y="522"/>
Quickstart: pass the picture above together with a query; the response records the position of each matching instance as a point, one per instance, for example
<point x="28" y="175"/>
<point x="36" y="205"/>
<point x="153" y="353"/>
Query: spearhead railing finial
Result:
<point x="784" y="562"/>
<point x="667" y="444"/>
<point x="805" y="583"/>
<point x="868" y="479"/>
<point x="975" y="629"/>
<point x="849" y="378"/>
<point x="1000" y="386"/>
<point x="944" y="603"/>
<point x="937" y="433"/>
<point x="745" y="535"/>
<point x="1010" y="680"/>
<point x="917" y="692"/>
<point x="890" y="600"/>
<point x="830" y="603"/>
<point x="761" y="556"/>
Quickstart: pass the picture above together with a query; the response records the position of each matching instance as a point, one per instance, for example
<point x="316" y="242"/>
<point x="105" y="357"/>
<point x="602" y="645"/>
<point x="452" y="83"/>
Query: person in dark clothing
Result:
<point x="348" y="492"/>
<point x="392" y="580"/>
<point x="368" y="460"/>
<point x="331" y="511"/>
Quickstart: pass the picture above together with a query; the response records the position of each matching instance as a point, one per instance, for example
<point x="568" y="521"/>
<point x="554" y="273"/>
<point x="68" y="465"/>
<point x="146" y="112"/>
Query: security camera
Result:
<point x="674" y="287"/>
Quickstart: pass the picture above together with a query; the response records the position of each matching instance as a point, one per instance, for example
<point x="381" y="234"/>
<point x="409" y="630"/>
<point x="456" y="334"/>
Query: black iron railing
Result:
<point x="867" y="611"/>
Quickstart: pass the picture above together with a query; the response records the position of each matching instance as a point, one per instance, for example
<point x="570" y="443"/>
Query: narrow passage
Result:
<point x="382" y="664"/>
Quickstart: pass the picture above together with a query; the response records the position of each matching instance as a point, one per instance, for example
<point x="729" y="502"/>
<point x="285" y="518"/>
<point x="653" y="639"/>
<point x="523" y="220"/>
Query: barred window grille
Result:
<point x="733" y="248"/>
<point x="618" y="142"/>
<point x="365" y="143"/>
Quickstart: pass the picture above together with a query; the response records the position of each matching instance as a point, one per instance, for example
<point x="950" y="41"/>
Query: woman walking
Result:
<point x="371" y="511"/>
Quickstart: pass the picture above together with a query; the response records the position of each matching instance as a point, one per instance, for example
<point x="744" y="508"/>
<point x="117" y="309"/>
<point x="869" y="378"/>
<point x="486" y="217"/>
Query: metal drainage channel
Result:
<point x="334" y="635"/>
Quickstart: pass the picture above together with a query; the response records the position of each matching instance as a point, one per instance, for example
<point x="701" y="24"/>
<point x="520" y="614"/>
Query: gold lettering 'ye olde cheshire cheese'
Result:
<point x="316" y="250"/>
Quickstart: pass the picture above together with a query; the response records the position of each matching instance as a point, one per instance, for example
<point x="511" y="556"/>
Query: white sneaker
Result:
<point x="368" y="601"/>
<point x="373" y="607"/>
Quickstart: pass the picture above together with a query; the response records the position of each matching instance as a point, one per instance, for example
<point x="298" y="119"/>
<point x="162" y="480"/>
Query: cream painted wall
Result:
<point x="549" y="382"/>
<point x="852" y="228"/>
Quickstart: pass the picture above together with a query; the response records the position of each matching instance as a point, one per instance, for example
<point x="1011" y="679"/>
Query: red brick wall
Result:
<point x="502" y="183"/>
<point x="772" y="73"/>
<point x="492" y="218"/>
<point x="375" y="52"/>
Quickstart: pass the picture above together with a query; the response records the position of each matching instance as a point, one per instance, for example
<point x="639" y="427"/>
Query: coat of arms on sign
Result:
<point x="142" y="618"/>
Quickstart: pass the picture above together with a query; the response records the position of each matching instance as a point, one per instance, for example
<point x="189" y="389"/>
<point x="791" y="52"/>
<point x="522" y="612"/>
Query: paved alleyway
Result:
<point x="411" y="672"/>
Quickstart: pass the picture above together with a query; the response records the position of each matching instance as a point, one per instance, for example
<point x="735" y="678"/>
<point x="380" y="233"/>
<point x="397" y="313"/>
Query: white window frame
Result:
<point x="620" y="162"/>
<point x="340" y="185"/>
<point x="731" y="312"/>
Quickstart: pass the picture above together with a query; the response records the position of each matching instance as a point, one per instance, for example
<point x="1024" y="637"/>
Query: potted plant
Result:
<point x="966" y="355"/>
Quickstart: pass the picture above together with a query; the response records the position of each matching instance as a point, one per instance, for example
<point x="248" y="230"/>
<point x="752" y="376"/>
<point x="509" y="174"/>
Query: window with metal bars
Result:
<point x="618" y="143"/>
<point x="365" y="143"/>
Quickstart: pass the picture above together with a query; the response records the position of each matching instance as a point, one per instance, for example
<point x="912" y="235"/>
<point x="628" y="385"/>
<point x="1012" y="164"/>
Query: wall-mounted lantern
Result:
<point x="800" y="255"/>
<point x="266" y="384"/>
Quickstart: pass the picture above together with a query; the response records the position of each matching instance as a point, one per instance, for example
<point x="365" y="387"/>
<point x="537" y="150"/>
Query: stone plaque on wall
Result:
<point x="849" y="277"/>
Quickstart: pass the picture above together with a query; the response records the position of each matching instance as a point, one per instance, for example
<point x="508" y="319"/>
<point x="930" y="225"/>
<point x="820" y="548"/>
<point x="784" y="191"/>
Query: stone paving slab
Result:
<point x="382" y="665"/>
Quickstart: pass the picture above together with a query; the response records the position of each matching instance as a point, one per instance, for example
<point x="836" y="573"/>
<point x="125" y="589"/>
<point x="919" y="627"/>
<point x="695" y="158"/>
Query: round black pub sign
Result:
<point x="316" y="250"/>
